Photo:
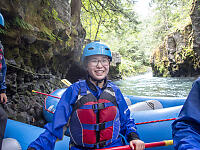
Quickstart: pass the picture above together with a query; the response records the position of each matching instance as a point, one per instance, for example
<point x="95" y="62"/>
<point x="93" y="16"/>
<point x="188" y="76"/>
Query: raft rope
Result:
<point x="33" y="73"/>
<point x="155" y="121"/>
<point x="135" y="123"/>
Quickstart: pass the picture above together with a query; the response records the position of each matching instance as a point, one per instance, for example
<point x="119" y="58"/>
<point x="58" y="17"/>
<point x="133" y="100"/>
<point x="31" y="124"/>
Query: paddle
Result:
<point x="147" y="145"/>
<point x="66" y="82"/>
<point x="45" y="94"/>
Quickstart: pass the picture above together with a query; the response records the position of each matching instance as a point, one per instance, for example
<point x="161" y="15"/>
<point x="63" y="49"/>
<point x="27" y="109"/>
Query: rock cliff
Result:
<point x="43" y="41"/>
<point x="179" y="55"/>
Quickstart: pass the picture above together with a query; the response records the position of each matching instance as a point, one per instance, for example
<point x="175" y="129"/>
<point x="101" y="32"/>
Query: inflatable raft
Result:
<point x="165" y="101"/>
<point x="135" y="103"/>
<point x="149" y="132"/>
<point x="158" y="130"/>
<point x="25" y="134"/>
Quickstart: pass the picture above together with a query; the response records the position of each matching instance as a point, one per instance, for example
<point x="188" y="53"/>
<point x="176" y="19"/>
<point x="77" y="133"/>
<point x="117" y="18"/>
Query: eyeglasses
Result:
<point x="95" y="62"/>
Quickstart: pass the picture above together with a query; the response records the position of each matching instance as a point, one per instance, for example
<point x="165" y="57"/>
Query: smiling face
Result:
<point x="98" y="66"/>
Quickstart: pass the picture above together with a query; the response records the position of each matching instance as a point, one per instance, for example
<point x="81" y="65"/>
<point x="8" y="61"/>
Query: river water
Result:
<point x="147" y="85"/>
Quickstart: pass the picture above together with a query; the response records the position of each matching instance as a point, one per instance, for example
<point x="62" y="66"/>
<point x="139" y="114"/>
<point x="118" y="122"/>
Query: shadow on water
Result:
<point x="147" y="85"/>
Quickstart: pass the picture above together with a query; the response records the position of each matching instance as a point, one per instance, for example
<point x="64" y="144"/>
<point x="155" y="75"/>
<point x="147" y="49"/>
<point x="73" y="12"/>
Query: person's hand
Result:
<point x="3" y="98"/>
<point x="137" y="145"/>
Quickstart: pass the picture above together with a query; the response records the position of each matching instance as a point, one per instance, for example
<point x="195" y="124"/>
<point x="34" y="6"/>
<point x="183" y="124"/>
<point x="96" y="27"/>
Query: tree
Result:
<point x="170" y="15"/>
<point x="100" y="15"/>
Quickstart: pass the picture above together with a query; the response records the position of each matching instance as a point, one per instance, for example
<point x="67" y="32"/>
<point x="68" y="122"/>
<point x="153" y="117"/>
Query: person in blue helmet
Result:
<point x="3" y="97"/>
<point x="186" y="128"/>
<point x="93" y="110"/>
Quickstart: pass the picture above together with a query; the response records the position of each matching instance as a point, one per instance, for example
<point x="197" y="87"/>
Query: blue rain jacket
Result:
<point x="54" y="130"/>
<point x="3" y="70"/>
<point x="186" y="129"/>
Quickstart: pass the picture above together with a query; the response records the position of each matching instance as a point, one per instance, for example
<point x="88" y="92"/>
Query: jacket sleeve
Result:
<point x="128" y="128"/>
<point x="54" y="130"/>
<point x="186" y="129"/>
<point x="3" y="76"/>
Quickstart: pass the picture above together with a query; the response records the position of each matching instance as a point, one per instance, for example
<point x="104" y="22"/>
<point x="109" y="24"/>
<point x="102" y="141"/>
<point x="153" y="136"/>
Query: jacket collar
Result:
<point x="93" y="87"/>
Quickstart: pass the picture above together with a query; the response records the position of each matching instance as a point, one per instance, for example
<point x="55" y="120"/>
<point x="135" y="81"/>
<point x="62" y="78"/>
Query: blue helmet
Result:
<point x="96" y="48"/>
<point x="1" y="20"/>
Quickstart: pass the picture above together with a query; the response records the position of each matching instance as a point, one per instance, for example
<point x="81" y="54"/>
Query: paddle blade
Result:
<point x="66" y="82"/>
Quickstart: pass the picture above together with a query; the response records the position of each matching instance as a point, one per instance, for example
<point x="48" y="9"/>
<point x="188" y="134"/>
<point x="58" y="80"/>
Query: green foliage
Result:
<point x="22" y="24"/>
<point x="55" y="15"/>
<point x="187" y="52"/>
<point x="49" y="14"/>
<point x="115" y="23"/>
<point x="45" y="2"/>
<point x="161" y="69"/>
<point x="46" y="14"/>
<point x="100" y="16"/>
<point x="128" y="67"/>
<point x="169" y="15"/>
<point x="47" y="33"/>
<point x="2" y="31"/>
<point x="196" y="62"/>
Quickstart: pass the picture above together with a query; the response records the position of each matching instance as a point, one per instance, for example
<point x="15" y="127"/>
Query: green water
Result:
<point x="147" y="85"/>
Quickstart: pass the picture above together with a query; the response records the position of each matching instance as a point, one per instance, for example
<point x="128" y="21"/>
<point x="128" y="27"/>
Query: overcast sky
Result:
<point x="142" y="7"/>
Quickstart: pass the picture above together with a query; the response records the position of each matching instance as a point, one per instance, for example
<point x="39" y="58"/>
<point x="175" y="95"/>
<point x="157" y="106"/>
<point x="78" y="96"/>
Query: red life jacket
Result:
<point x="94" y="123"/>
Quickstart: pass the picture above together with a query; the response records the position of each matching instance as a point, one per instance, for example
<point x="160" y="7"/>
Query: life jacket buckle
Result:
<point x="100" y="144"/>
<point x="100" y="126"/>
<point x="98" y="106"/>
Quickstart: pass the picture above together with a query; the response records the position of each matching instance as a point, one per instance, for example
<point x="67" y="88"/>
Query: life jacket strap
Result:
<point x="83" y="88"/>
<point x="97" y="106"/>
<point x="98" y="127"/>
<point x="101" y="144"/>
<point x="91" y="146"/>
